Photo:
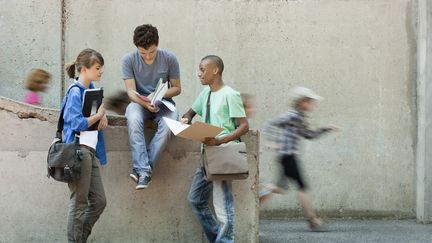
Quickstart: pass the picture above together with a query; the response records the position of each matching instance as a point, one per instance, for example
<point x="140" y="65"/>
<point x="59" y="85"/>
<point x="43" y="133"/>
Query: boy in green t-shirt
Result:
<point x="226" y="111"/>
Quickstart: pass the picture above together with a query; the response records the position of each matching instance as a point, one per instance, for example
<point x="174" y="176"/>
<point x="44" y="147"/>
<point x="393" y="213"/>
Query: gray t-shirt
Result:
<point x="146" y="76"/>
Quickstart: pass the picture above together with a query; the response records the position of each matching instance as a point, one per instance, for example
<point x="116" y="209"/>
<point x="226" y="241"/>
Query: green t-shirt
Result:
<point x="225" y="106"/>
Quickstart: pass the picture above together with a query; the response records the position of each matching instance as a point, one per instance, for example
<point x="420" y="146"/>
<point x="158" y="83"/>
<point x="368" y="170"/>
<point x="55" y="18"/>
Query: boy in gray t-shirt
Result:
<point x="142" y="70"/>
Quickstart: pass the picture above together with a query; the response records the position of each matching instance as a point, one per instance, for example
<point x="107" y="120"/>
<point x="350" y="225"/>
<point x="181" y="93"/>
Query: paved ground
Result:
<point x="406" y="231"/>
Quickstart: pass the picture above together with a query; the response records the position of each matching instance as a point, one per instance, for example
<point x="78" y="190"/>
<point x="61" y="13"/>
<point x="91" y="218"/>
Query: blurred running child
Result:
<point x="293" y="125"/>
<point x="37" y="81"/>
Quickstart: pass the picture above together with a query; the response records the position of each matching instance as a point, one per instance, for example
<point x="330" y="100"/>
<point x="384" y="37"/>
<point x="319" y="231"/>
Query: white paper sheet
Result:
<point x="176" y="127"/>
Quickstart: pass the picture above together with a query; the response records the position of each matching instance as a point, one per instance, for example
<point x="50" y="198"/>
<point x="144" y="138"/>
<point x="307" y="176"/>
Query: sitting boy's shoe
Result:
<point x="143" y="182"/>
<point x="134" y="176"/>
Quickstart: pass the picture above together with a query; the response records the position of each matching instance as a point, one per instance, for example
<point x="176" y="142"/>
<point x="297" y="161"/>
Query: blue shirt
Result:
<point x="74" y="121"/>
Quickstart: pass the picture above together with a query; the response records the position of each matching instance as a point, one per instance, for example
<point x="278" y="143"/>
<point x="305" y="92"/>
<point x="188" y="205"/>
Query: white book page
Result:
<point x="169" y="105"/>
<point x="89" y="138"/>
<point x="176" y="127"/>
<point x="160" y="93"/>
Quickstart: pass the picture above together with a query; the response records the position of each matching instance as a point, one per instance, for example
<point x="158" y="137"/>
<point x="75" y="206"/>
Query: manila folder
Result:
<point x="197" y="131"/>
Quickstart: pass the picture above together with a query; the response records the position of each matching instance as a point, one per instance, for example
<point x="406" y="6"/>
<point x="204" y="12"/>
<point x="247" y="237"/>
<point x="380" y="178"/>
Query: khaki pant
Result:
<point x="87" y="199"/>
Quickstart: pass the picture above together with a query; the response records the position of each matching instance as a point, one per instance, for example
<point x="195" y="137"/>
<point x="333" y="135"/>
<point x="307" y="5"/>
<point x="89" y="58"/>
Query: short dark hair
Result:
<point x="216" y="60"/>
<point x="145" y="36"/>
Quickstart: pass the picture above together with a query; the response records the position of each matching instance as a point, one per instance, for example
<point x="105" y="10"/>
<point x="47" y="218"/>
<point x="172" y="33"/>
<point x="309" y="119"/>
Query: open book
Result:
<point x="159" y="93"/>
<point x="156" y="98"/>
<point x="197" y="131"/>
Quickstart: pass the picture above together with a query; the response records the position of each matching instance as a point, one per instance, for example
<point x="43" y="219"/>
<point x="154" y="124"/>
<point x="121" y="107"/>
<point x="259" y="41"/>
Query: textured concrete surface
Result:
<point x="30" y="37"/>
<point x="424" y="129"/>
<point x="34" y="208"/>
<point x="341" y="231"/>
<point x="359" y="55"/>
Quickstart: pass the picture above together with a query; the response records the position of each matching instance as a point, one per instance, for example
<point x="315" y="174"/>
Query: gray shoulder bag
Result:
<point x="224" y="162"/>
<point x="64" y="159"/>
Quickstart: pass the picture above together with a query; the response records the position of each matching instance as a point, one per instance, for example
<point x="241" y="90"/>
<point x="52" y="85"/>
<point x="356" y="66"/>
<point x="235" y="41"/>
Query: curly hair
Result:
<point x="145" y="36"/>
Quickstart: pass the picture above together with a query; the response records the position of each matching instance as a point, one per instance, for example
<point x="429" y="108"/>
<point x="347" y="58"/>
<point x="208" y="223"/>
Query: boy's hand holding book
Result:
<point x="147" y="103"/>
<point x="142" y="97"/>
<point x="151" y="107"/>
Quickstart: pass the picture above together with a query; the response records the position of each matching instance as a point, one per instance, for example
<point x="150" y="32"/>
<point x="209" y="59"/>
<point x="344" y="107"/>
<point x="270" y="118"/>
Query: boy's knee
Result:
<point x="132" y="109"/>
<point x="133" y="116"/>
<point x="134" y="121"/>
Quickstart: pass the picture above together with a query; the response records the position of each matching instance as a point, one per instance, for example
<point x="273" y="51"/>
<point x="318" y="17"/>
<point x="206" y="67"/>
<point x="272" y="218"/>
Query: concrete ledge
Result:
<point x="335" y="214"/>
<point x="35" y="208"/>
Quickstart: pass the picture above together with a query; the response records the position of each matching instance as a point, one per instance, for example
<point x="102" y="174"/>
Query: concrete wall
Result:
<point x="359" y="55"/>
<point x="34" y="208"/>
<point x="424" y="94"/>
<point x="30" y="37"/>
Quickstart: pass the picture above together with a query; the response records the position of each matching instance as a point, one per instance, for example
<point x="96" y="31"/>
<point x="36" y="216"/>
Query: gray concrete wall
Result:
<point x="34" y="208"/>
<point x="424" y="94"/>
<point x="359" y="55"/>
<point x="30" y="37"/>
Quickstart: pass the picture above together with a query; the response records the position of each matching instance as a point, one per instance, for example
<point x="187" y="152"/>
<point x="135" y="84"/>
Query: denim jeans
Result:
<point x="87" y="199"/>
<point x="144" y="155"/>
<point x="222" y="229"/>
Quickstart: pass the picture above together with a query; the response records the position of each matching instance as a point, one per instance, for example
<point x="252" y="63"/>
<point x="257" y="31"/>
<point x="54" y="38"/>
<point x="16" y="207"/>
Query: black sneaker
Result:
<point x="143" y="182"/>
<point x="134" y="176"/>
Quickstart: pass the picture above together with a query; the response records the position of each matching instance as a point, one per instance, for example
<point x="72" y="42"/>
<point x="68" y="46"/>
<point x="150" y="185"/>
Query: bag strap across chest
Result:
<point x="60" y="123"/>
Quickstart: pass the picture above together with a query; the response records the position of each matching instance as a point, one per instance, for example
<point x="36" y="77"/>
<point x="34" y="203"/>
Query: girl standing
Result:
<point x="87" y="198"/>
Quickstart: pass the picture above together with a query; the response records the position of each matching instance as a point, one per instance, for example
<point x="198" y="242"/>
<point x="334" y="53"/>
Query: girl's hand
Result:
<point x="101" y="111"/>
<point x="103" y="123"/>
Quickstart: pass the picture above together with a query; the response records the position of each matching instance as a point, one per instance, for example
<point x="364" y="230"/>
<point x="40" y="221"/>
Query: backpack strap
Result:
<point x="60" y="122"/>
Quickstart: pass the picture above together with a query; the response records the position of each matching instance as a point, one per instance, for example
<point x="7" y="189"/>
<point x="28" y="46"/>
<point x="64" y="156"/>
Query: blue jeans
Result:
<point x="222" y="230"/>
<point x="143" y="155"/>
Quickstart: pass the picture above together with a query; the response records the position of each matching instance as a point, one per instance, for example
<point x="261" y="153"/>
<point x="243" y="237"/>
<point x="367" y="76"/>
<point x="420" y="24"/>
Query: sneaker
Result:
<point x="134" y="176"/>
<point x="143" y="182"/>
